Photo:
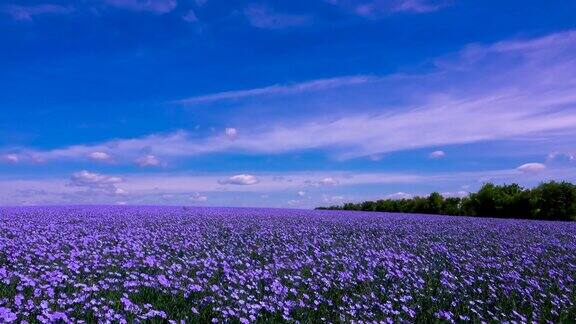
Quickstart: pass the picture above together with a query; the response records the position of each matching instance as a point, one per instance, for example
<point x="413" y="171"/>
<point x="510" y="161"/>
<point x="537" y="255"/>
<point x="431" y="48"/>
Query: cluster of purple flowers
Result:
<point x="126" y="264"/>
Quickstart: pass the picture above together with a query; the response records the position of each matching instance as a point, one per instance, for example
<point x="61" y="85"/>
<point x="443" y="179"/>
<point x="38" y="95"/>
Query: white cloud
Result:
<point x="436" y="154"/>
<point x="91" y="187"/>
<point x="332" y="199"/>
<point x="197" y="197"/>
<point x="264" y="17"/>
<point x="167" y="196"/>
<point x="120" y="191"/>
<point x="97" y="182"/>
<point x="382" y="8"/>
<point x="531" y="168"/>
<point x="301" y="193"/>
<point x="375" y="157"/>
<point x="328" y="182"/>
<point x="231" y="132"/>
<point x="419" y="6"/>
<point x="399" y="195"/>
<point x="154" y="6"/>
<point x="12" y="158"/>
<point x="27" y="13"/>
<point x="148" y="161"/>
<point x="553" y="156"/>
<point x="455" y="194"/>
<point x="517" y="99"/>
<point x="190" y="16"/>
<point x="240" y="179"/>
<point x="99" y="156"/>
<point x="314" y="85"/>
<point x="294" y="202"/>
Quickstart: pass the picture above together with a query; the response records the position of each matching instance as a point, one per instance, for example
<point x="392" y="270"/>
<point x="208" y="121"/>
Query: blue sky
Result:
<point x="284" y="104"/>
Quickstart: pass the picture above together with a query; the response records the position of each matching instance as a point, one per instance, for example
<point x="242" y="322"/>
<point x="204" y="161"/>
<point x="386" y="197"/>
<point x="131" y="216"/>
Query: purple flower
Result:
<point x="163" y="280"/>
<point x="7" y="315"/>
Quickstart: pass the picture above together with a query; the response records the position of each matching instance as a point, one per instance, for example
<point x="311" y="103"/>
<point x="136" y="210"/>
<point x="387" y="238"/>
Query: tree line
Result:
<point x="548" y="201"/>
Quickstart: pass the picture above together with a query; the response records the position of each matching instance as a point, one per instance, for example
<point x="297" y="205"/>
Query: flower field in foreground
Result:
<point x="125" y="264"/>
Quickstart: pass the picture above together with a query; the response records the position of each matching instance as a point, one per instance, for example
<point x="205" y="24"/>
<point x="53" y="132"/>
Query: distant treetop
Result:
<point x="549" y="201"/>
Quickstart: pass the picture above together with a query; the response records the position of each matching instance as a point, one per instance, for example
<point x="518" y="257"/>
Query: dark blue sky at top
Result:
<point x="93" y="72"/>
<point x="100" y="72"/>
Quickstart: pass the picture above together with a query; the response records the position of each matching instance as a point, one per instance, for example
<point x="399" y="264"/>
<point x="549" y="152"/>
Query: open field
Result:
<point x="225" y="264"/>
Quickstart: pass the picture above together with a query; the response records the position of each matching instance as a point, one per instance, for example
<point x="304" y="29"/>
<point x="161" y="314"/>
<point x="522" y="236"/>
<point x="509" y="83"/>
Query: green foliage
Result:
<point x="548" y="201"/>
<point x="554" y="200"/>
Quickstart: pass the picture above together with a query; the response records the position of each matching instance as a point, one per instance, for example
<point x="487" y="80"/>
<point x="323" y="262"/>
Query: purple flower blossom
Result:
<point x="6" y="315"/>
<point x="178" y="265"/>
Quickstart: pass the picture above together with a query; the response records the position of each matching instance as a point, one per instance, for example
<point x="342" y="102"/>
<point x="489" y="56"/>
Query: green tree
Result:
<point x="550" y="200"/>
<point x="434" y="203"/>
<point x="451" y="206"/>
<point x="554" y="201"/>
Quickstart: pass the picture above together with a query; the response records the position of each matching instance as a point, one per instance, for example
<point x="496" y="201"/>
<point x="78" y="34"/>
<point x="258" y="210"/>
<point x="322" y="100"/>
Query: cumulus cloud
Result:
<point x="99" y="156"/>
<point x="154" y="6"/>
<point x="436" y="154"/>
<point x="301" y="193"/>
<point x="240" y="179"/>
<point x="148" y="161"/>
<point x="531" y="168"/>
<point x="264" y="17"/>
<point x="18" y="12"/>
<point x="97" y="182"/>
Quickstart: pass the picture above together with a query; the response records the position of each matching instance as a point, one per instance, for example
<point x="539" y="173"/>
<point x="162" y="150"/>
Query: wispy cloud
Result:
<point x="287" y="89"/>
<point x="559" y="156"/>
<point x="261" y="16"/>
<point x="99" y="156"/>
<point x="420" y="6"/>
<point x="148" y="161"/>
<point x="19" y="12"/>
<point x="190" y="16"/>
<point x="12" y="158"/>
<point x="154" y="6"/>
<point x="380" y="8"/>
<point x="527" y="90"/>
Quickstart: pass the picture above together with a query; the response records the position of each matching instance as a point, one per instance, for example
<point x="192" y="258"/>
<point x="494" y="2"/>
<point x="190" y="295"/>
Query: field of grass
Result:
<point x="129" y="264"/>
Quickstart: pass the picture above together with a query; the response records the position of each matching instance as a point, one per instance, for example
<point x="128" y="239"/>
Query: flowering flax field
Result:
<point x="133" y="264"/>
